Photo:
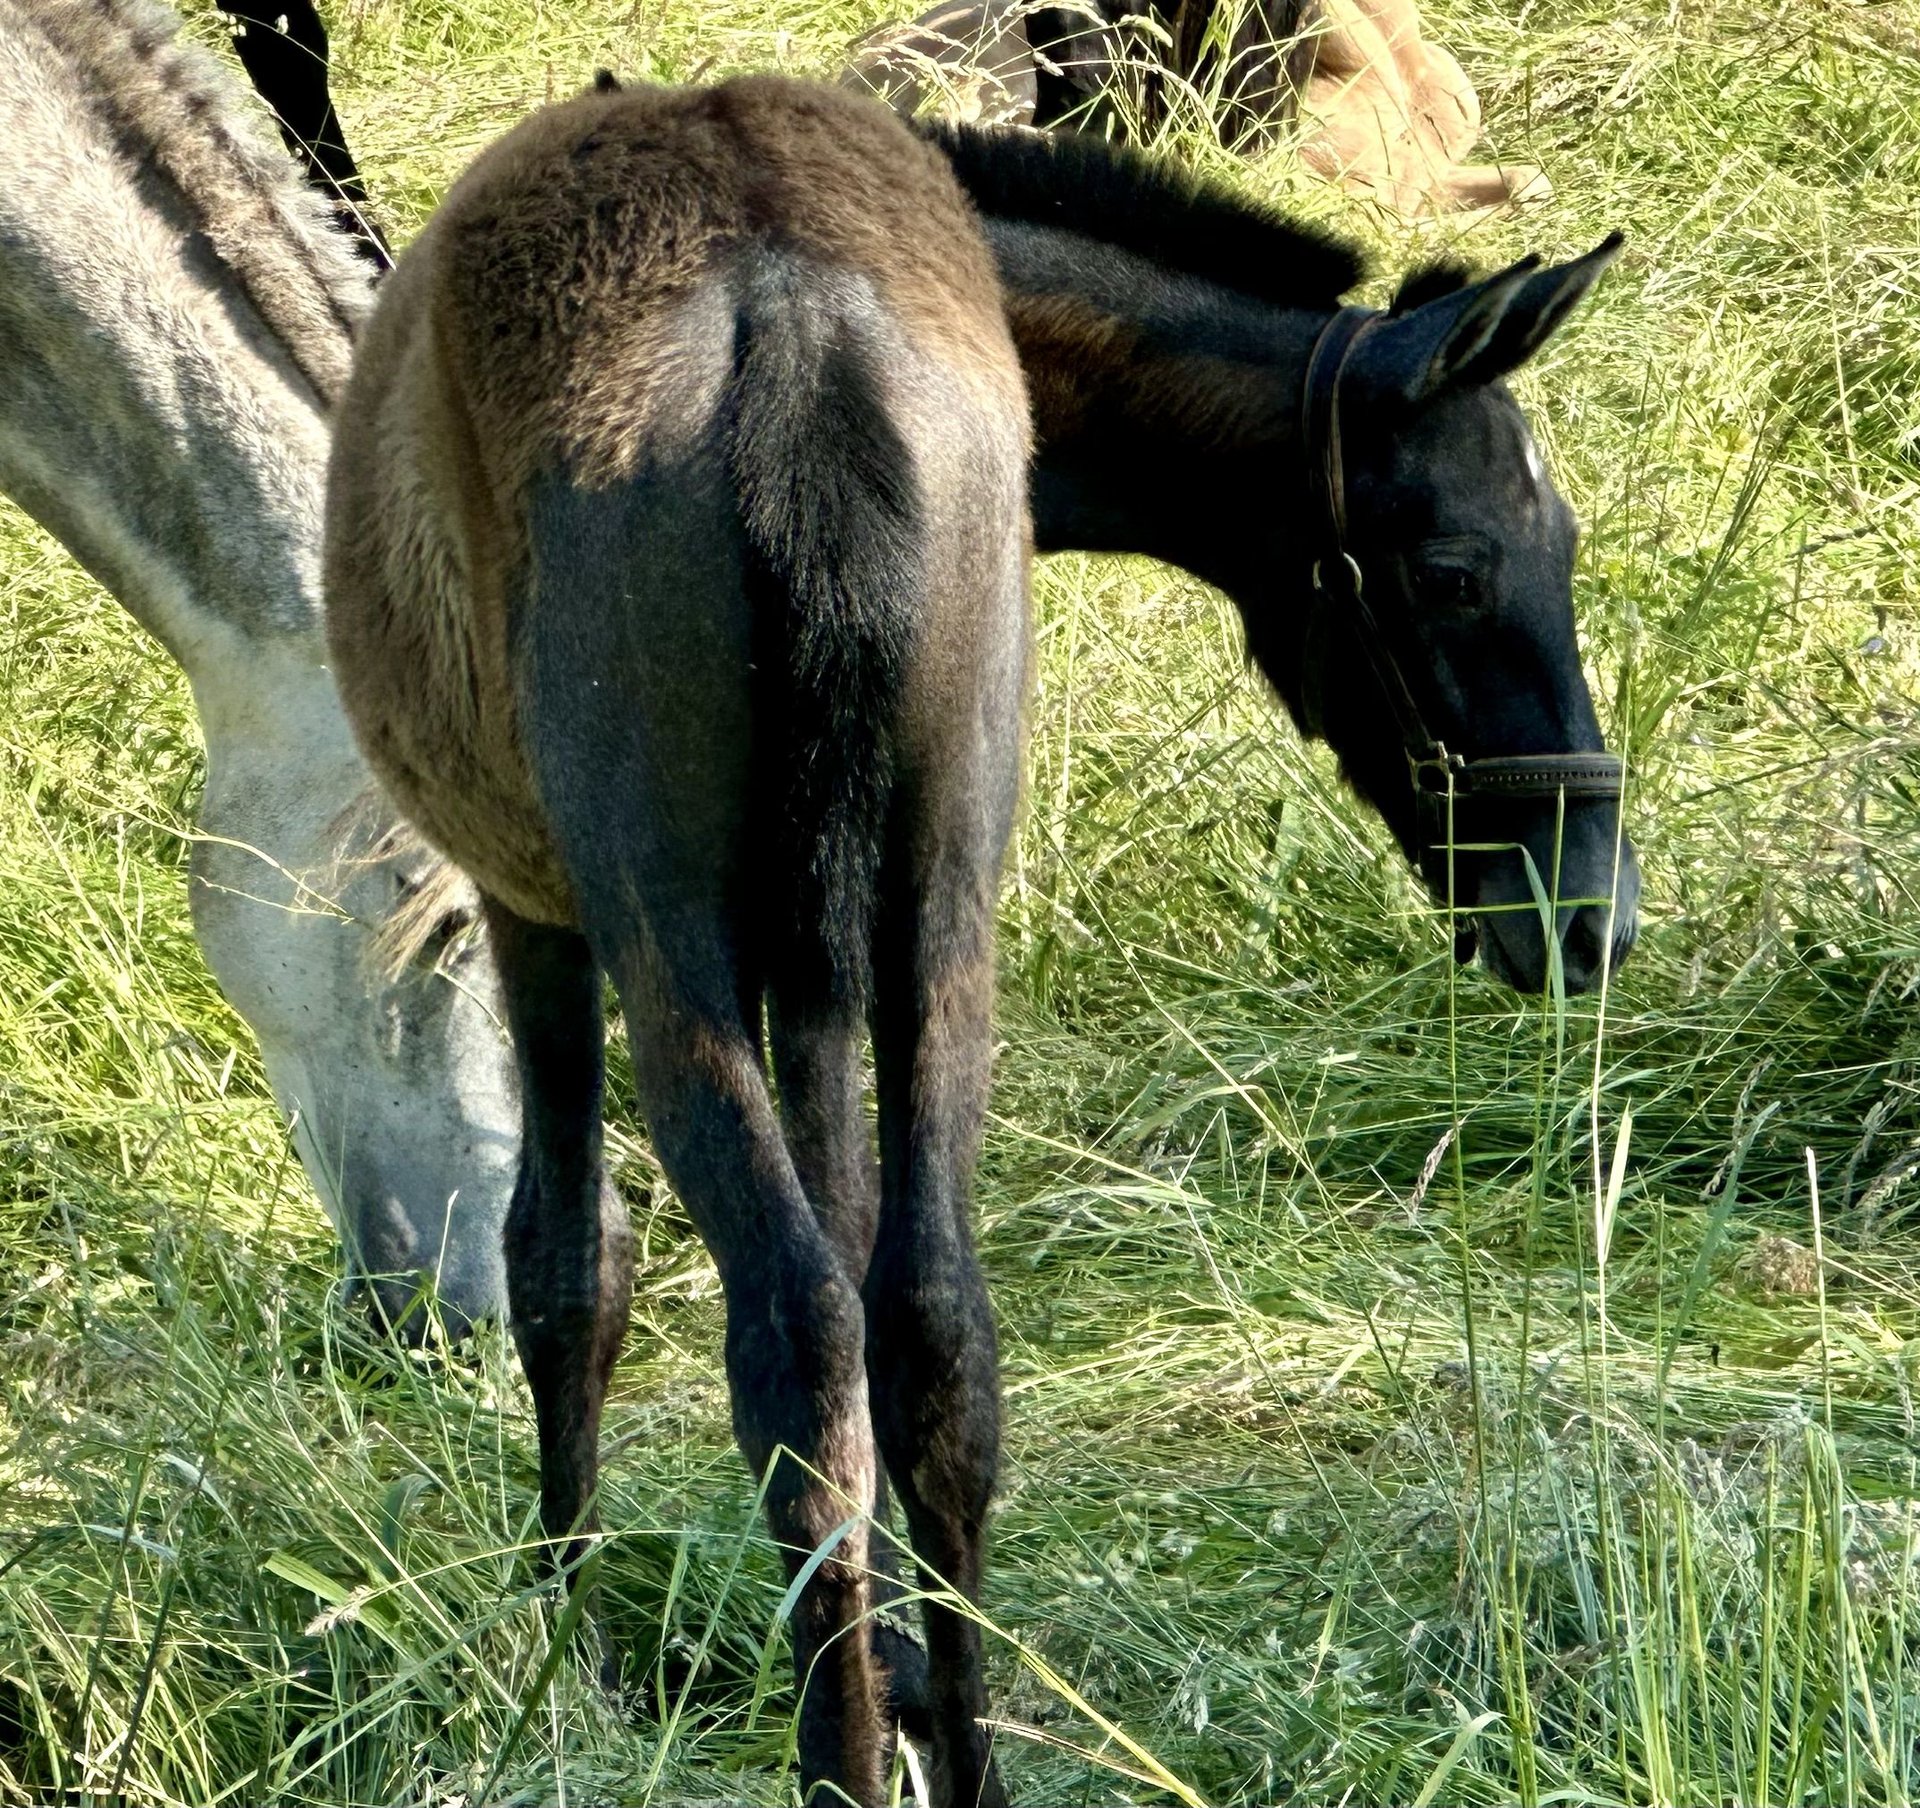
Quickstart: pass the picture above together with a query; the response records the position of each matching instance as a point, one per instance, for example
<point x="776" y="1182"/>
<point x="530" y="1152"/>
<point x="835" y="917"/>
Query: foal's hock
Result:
<point x="676" y="565"/>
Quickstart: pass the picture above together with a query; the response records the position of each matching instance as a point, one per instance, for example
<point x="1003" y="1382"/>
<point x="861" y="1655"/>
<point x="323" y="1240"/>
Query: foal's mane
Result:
<point x="176" y="112"/>
<point x="1150" y="206"/>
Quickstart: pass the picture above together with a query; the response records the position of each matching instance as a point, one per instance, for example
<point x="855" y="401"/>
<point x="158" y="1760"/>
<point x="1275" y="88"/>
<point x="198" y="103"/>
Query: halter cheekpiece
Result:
<point x="1438" y="774"/>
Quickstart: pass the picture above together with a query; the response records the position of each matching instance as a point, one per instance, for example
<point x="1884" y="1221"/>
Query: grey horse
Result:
<point x="176" y="318"/>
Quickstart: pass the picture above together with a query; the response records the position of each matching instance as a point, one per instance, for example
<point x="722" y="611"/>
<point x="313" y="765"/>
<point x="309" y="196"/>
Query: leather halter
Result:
<point x="1439" y="775"/>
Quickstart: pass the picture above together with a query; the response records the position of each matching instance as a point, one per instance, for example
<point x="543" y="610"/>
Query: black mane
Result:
<point x="1149" y="206"/>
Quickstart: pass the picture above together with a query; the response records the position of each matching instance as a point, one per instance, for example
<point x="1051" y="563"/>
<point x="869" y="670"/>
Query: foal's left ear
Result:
<point x="1485" y="331"/>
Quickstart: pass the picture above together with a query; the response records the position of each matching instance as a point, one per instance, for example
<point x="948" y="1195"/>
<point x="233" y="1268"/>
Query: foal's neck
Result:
<point x="1166" y="407"/>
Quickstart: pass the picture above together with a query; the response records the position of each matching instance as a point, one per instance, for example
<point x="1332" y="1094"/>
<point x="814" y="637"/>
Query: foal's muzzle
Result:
<point x="1583" y="889"/>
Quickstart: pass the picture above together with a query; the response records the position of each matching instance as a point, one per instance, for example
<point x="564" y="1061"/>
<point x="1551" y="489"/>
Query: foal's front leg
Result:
<point x="569" y="1246"/>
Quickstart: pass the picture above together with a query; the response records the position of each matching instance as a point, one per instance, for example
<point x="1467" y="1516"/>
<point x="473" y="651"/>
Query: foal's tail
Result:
<point x="830" y="512"/>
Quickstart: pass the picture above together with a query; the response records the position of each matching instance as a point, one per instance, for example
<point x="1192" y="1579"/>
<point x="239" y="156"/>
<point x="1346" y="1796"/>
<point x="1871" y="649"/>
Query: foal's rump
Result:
<point x="663" y="456"/>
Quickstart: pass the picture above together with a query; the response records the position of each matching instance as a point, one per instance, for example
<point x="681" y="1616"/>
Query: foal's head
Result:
<point x="1437" y="652"/>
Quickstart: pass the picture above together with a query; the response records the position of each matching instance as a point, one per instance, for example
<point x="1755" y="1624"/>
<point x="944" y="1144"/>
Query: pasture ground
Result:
<point x="1559" y="1468"/>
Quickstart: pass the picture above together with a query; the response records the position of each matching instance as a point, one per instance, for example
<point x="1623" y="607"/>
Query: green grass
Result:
<point x="1549" y="1467"/>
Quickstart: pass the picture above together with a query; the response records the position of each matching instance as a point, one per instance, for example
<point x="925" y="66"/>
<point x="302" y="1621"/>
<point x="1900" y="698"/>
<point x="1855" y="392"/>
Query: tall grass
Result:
<point x="1413" y="1395"/>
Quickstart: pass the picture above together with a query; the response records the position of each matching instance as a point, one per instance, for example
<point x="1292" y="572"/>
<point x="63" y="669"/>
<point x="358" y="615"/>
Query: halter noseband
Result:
<point x="1438" y="775"/>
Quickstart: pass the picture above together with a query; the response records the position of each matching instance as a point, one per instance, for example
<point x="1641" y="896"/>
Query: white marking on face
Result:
<point x="1535" y="469"/>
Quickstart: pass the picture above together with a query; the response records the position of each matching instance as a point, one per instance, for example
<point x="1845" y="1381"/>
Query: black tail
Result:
<point x="831" y="516"/>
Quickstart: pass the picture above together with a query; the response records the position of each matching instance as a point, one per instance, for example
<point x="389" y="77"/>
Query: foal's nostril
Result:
<point x="1580" y="950"/>
<point x="1584" y="947"/>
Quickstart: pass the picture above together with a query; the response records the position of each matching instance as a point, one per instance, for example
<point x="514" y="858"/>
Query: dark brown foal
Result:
<point x="676" y="563"/>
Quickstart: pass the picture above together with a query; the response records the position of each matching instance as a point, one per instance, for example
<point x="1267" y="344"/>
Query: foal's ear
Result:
<point x="1483" y="332"/>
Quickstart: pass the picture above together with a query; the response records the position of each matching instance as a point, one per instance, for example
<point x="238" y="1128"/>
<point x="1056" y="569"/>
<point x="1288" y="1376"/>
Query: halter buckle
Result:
<point x="1439" y="772"/>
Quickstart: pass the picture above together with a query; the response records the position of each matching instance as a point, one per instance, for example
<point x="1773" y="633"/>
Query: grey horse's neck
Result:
<point x="175" y="316"/>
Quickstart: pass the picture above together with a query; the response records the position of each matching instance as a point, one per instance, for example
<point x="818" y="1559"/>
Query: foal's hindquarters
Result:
<point x="676" y="568"/>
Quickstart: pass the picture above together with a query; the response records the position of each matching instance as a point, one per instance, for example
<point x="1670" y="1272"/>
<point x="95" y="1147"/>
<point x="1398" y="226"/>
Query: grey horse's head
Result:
<point x="387" y="1054"/>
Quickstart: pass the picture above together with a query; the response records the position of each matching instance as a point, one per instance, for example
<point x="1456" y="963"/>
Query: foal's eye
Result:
<point x="1449" y="587"/>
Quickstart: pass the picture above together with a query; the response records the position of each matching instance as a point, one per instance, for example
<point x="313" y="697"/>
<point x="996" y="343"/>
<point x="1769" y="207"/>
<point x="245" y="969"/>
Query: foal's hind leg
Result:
<point x="637" y="694"/>
<point x="931" y="1360"/>
<point x="930" y="1336"/>
<point x="569" y="1247"/>
<point x="816" y="1059"/>
<point x="795" y="1338"/>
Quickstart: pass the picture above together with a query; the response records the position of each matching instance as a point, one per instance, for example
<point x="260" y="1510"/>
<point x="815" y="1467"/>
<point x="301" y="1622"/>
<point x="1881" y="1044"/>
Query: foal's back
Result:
<point x="576" y="316"/>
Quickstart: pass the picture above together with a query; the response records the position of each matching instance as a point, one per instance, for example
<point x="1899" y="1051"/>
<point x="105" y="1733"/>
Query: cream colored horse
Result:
<point x="1374" y="104"/>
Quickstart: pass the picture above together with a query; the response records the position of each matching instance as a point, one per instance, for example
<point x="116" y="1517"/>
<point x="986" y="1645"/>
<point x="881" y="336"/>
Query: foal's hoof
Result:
<point x="909" y="1695"/>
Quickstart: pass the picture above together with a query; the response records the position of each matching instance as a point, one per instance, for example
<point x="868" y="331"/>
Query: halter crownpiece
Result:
<point x="1438" y="775"/>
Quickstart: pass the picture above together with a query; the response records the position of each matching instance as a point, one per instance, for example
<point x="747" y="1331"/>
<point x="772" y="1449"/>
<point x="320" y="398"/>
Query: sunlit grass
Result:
<point x="1549" y="1464"/>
